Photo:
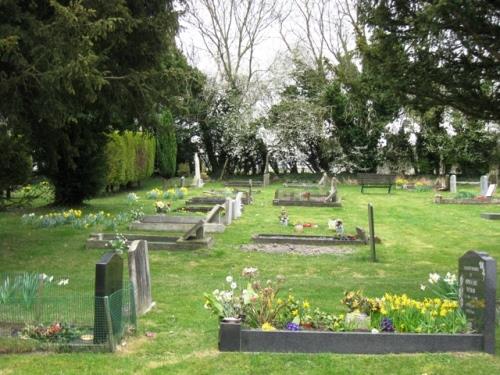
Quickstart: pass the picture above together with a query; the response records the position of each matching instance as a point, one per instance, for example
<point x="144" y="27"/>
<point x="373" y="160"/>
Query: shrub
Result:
<point x="183" y="170"/>
<point x="166" y="146"/>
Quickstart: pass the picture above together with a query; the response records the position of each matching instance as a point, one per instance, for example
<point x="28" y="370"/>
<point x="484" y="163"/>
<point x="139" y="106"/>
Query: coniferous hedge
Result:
<point x="166" y="146"/>
<point x="130" y="158"/>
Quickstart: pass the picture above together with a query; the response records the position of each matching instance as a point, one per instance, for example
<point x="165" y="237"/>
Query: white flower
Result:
<point x="229" y="279"/>
<point x="51" y="278"/>
<point x="450" y="279"/>
<point x="434" y="278"/>
<point x="375" y="330"/>
<point x="422" y="287"/>
<point x="233" y="285"/>
<point x="249" y="271"/>
<point x="63" y="282"/>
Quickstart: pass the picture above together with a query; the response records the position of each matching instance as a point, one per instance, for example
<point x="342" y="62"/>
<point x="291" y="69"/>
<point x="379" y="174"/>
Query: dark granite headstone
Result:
<point x="477" y="294"/>
<point x="371" y="228"/>
<point x="108" y="280"/>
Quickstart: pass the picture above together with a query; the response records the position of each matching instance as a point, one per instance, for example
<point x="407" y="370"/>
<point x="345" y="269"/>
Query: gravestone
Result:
<point x="197" y="181"/>
<point x="227" y="207"/>
<point x="477" y="294"/>
<point x="183" y="181"/>
<point x="371" y="228"/>
<point x="237" y="205"/>
<point x="140" y="276"/>
<point x="483" y="183"/>
<point x="491" y="190"/>
<point x="323" y="179"/>
<point x="108" y="301"/>
<point x="453" y="183"/>
<point x="265" y="180"/>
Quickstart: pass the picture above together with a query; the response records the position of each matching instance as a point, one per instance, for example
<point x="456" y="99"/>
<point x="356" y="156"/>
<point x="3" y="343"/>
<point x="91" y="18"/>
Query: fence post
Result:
<point x="371" y="226"/>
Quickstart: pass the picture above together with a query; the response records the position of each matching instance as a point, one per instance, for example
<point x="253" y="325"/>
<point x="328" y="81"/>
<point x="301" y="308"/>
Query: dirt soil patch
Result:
<point x="277" y="248"/>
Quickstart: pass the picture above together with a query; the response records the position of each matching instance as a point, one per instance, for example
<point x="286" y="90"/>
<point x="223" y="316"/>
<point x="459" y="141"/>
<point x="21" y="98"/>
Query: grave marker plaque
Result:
<point x="477" y="294"/>
<point x="108" y="280"/>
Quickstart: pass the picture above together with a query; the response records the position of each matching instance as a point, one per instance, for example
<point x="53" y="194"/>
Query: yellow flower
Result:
<point x="295" y="312"/>
<point x="306" y="304"/>
<point x="280" y="301"/>
<point x="268" y="327"/>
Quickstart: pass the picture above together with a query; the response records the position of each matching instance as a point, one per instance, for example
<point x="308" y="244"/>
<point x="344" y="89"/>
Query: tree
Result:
<point x="15" y="168"/>
<point x="73" y="71"/>
<point x="166" y="148"/>
<point x="435" y="53"/>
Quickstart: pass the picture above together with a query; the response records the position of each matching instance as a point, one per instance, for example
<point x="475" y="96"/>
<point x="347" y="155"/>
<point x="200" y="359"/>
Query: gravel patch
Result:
<point x="276" y="248"/>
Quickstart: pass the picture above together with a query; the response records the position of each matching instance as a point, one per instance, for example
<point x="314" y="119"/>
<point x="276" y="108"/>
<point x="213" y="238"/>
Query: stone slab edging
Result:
<point x="101" y="241"/>
<point x="440" y="200"/>
<point x="490" y="215"/>
<point x="304" y="240"/>
<point x="234" y="338"/>
<point x="310" y="203"/>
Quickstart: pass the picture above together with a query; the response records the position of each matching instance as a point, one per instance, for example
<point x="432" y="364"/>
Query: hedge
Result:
<point x="130" y="157"/>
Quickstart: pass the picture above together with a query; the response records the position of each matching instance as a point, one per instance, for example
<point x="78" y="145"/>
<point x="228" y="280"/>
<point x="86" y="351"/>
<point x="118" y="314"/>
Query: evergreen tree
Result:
<point x="166" y="149"/>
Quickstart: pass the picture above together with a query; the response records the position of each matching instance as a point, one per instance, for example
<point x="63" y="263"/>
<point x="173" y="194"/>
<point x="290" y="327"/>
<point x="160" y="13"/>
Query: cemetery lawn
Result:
<point x="418" y="237"/>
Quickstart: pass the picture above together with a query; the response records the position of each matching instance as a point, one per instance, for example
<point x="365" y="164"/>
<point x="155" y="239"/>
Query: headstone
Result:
<point x="140" y="276"/>
<point x="453" y="183"/>
<point x="197" y="181"/>
<point x="491" y="190"/>
<point x="183" y="181"/>
<point x="371" y="227"/>
<point x="265" y="180"/>
<point x="477" y="294"/>
<point x="323" y="179"/>
<point x="107" y="313"/>
<point x="227" y="207"/>
<point x="214" y="215"/>
<point x="238" y="205"/>
<point x="483" y="183"/>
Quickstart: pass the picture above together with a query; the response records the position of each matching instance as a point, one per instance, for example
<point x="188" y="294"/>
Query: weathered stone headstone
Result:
<point x="491" y="190"/>
<point x="237" y="205"/>
<point x="323" y="179"/>
<point x="483" y="183"/>
<point x="477" y="294"/>
<point x="228" y="208"/>
<point x="197" y="181"/>
<point x="183" y="181"/>
<point x="108" y="305"/>
<point x="265" y="180"/>
<point x="140" y="276"/>
<point x="371" y="228"/>
<point x="453" y="183"/>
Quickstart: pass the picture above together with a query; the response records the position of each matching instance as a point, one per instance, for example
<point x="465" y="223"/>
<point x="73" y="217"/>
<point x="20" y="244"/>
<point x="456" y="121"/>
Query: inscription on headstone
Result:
<point x="477" y="294"/>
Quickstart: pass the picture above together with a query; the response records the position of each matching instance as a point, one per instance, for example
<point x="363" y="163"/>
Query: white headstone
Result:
<point x="323" y="179"/>
<point x="491" y="190"/>
<point x="197" y="181"/>
<point x="453" y="183"/>
<point x="483" y="182"/>
<point x="237" y="203"/>
<point x="228" y="208"/>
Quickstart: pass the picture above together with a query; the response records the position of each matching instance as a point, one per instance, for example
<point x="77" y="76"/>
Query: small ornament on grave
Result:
<point x="338" y="226"/>
<point x="283" y="217"/>
<point x="299" y="228"/>
<point x="162" y="207"/>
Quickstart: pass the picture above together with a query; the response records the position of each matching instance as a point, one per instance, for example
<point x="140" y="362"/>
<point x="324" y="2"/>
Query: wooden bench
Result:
<point x="374" y="180"/>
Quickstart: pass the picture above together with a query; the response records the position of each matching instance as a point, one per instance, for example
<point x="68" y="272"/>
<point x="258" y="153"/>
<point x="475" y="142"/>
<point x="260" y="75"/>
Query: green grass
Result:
<point x="418" y="237"/>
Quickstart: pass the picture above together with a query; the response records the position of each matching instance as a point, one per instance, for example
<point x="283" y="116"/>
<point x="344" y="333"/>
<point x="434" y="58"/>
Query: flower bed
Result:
<point x="258" y="319"/>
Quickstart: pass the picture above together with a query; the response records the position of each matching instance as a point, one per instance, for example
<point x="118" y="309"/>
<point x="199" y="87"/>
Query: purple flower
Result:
<point x="292" y="326"/>
<point x="386" y="325"/>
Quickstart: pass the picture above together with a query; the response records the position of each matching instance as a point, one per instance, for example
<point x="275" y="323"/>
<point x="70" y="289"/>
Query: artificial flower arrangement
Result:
<point x="266" y="306"/>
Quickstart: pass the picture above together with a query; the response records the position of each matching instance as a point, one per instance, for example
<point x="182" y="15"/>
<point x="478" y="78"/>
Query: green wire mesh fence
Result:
<point x="51" y="313"/>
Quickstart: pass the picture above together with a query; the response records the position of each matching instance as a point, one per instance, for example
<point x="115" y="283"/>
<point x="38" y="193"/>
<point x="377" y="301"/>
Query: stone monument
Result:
<point x="197" y="181"/>
<point x="453" y="183"/>
<point x="140" y="276"/>
<point x="477" y="294"/>
<point x="483" y="183"/>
